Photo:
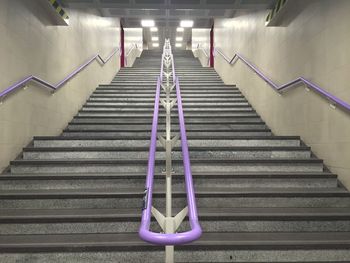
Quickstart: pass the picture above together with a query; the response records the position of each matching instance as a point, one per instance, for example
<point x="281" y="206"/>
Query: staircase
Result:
<point x="262" y="198"/>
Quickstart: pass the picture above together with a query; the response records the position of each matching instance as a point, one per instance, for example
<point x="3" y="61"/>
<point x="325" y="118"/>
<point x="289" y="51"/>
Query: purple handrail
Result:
<point x="283" y="87"/>
<point x="196" y="231"/>
<point x="55" y="87"/>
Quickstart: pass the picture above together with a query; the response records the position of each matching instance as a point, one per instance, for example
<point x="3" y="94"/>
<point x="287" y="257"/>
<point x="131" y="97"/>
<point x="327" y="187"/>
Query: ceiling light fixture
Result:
<point x="155" y="44"/>
<point x="147" y="23"/>
<point x="178" y="45"/>
<point x="179" y="38"/>
<point x="155" y="38"/>
<point x="154" y="29"/>
<point x="186" y="23"/>
<point x="180" y="29"/>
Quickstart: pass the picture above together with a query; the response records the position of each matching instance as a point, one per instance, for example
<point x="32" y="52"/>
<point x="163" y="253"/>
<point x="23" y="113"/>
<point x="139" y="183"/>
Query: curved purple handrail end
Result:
<point x="287" y="85"/>
<point x="196" y="230"/>
<point x="44" y="83"/>
<point x="171" y="239"/>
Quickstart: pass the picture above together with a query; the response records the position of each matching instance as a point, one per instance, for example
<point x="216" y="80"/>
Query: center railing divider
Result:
<point x="169" y="224"/>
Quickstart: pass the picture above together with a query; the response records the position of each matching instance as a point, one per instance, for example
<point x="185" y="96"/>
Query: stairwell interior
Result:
<point x="77" y="197"/>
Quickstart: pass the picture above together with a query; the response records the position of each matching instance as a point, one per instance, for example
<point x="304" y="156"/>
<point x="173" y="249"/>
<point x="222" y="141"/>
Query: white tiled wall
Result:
<point x="132" y="36"/>
<point x="31" y="45"/>
<point x="313" y="42"/>
<point x="201" y="36"/>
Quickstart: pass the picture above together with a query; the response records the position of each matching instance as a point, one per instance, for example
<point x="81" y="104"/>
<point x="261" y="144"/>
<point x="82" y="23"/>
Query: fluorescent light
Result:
<point x="155" y="38"/>
<point x="178" y="45"/>
<point x="179" y="38"/>
<point x="180" y="29"/>
<point x="147" y="23"/>
<point x="186" y="23"/>
<point x="155" y="44"/>
<point x="154" y="29"/>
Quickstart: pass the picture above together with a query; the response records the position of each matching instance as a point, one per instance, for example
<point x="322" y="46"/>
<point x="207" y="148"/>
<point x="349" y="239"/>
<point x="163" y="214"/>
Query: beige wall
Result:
<point x="314" y="42"/>
<point x="201" y="37"/>
<point x="29" y="44"/>
<point x="132" y="36"/>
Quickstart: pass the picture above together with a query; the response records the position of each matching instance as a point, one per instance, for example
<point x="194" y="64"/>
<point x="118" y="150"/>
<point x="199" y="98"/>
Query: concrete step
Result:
<point x="140" y="165"/>
<point x="209" y="134"/>
<point x="184" y="89"/>
<point x="221" y="220"/>
<point x="161" y="127"/>
<point x="137" y="114"/>
<point x="149" y="96"/>
<point x="150" y="99"/>
<point x="142" y="152"/>
<point x="174" y="119"/>
<point x="203" y="179"/>
<point x="156" y="74"/>
<point x="233" y="141"/>
<point x="183" y="83"/>
<point x="205" y="197"/>
<point x="184" y="86"/>
<point x="152" y="94"/>
<point x="129" y="108"/>
<point x="206" y="253"/>
<point x="184" y="93"/>
<point x="185" y="104"/>
<point x="319" y="246"/>
<point x="182" y="77"/>
<point x="199" y="108"/>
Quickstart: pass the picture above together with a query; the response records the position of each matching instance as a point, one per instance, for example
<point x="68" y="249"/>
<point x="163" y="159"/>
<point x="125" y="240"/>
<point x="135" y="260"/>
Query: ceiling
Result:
<point x="168" y="13"/>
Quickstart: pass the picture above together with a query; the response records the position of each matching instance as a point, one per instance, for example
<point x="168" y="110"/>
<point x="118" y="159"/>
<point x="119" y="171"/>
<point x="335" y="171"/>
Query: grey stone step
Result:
<point x="184" y="93"/>
<point x="190" y="112"/>
<point x="125" y="180"/>
<point x="133" y="70"/>
<point x="137" y="81"/>
<point x="185" y="256"/>
<point x="206" y="197"/>
<point x="155" y="74"/>
<point x="233" y="141"/>
<point x="185" y="104"/>
<point x="184" y="99"/>
<point x="122" y="114"/>
<point x="182" y="83"/>
<point x="182" y="77"/>
<point x="145" y="127"/>
<point x="52" y="221"/>
<point x="150" y="108"/>
<point x="211" y="246"/>
<point x="199" y="80"/>
<point x="148" y="75"/>
<point x="152" y="94"/>
<point x="146" y="134"/>
<point x="140" y="165"/>
<point x="184" y="89"/>
<point x="142" y="152"/>
<point x="184" y="86"/>
<point x="174" y="119"/>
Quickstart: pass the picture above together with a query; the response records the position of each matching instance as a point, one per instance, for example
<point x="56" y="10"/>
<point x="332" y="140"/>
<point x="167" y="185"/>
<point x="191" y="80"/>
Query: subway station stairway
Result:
<point x="77" y="197"/>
